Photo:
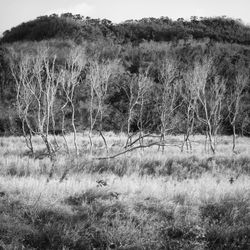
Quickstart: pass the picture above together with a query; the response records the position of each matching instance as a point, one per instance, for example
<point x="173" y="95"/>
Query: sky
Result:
<point x="14" y="12"/>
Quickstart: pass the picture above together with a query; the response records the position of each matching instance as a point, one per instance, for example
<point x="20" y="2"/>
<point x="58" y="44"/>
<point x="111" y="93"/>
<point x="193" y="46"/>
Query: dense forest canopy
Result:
<point x="149" y="69"/>
<point x="79" y="28"/>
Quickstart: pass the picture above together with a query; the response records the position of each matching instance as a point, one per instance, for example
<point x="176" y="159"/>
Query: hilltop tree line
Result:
<point x="79" y="29"/>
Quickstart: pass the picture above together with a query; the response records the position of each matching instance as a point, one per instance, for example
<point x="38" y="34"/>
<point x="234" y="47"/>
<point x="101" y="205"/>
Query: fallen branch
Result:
<point x="134" y="148"/>
<point x="141" y="137"/>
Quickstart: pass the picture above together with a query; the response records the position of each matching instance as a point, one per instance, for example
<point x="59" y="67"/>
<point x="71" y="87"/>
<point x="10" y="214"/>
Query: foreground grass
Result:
<point x="147" y="200"/>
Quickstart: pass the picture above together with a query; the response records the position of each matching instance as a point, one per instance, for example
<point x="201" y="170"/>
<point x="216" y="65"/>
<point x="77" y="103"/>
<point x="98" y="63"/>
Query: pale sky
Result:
<point x="14" y="12"/>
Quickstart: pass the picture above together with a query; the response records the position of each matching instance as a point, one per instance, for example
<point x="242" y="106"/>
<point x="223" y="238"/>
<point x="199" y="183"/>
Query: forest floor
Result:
<point x="144" y="199"/>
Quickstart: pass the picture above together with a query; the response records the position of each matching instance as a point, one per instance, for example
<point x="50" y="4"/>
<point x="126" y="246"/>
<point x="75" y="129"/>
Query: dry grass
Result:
<point x="152" y="200"/>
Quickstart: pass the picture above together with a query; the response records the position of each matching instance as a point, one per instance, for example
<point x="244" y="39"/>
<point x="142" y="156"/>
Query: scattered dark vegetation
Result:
<point x="180" y="168"/>
<point x="227" y="224"/>
<point x="96" y="223"/>
<point x="175" y="167"/>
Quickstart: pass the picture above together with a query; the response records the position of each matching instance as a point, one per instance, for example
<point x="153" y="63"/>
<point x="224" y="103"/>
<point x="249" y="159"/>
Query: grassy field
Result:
<point x="144" y="199"/>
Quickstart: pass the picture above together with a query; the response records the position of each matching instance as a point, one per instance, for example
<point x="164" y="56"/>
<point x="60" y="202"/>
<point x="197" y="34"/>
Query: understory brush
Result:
<point x="99" y="220"/>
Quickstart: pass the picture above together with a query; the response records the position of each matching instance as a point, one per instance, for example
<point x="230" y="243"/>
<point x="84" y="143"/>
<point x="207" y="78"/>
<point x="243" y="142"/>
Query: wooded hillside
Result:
<point x="153" y="74"/>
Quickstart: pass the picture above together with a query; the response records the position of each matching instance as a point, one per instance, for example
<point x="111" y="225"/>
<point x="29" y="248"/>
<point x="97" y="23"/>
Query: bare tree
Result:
<point x="210" y="95"/>
<point x="71" y="77"/>
<point x="132" y="92"/>
<point x="144" y="84"/>
<point x="168" y="103"/>
<point x="98" y="78"/>
<point x="37" y="81"/>
<point x="235" y="97"/>
<point x="20" y="71"/>
<point x="136" y="90"/>
<point x="189" y="95"/>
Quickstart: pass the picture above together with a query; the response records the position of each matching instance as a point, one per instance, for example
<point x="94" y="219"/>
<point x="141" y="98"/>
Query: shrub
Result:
<point x="227" y="224"/>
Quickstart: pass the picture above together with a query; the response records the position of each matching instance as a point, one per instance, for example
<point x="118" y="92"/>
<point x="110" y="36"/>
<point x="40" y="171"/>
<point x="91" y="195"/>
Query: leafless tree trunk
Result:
<point x="136" y="90"/>
<point x="98" y="78"/>
<point x="188" y="93"/>
<point x="37" y="81"/>
<point x="168" y="105"/>
<point x="144" y="83"/>
<point x="210" y="95"/>
<point x="235" y="97"/>
<point x="70" y="80"/>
